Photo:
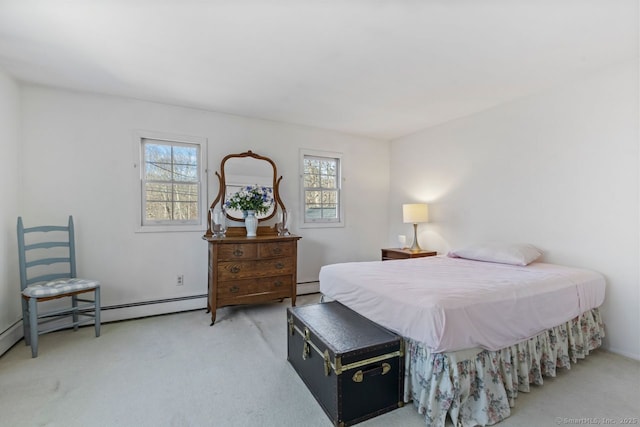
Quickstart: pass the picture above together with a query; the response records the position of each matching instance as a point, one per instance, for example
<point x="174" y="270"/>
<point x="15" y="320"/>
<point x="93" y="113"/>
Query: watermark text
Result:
<point x="597" y="421"/>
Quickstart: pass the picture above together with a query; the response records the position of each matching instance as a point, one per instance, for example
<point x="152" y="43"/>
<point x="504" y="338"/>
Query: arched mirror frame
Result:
<point x="220" y="198"/>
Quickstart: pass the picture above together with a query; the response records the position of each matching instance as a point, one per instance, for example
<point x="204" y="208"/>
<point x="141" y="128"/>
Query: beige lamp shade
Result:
<point x="415" y="213"/>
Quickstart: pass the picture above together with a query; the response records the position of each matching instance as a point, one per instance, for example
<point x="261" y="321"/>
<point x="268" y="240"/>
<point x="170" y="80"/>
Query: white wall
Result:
<point x="558" y="170"/>
<point x="10" y="196"/>
<point x="78" y="149"/>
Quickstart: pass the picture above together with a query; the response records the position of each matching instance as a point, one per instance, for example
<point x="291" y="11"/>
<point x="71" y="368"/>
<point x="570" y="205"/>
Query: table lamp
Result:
<point x="415" y="213"/>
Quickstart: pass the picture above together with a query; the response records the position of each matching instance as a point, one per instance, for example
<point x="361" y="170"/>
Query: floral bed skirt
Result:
<point x="478" y="387"/>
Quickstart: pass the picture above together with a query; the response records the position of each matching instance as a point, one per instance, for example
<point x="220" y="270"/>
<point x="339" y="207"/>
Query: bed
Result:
<point x="476" y="332"/>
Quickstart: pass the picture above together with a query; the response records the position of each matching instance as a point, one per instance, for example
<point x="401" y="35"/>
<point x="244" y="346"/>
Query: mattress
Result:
<point x="453" y="304"/>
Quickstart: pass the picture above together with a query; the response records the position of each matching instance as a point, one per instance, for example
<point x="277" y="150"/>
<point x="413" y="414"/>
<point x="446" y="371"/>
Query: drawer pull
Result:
<point x="278" y="283"/>
<point x="279" y="266"/>
<point x="234" y="289"/>
<point x="277" y="251"/>
<point x="238" y="252"/>
<point x="235" y="269"/>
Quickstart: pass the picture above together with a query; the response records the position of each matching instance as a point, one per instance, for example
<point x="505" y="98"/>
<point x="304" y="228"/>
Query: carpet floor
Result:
<point x="175" y="370"/>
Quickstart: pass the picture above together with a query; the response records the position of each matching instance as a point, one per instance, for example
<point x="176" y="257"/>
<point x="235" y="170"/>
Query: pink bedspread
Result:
<point x="453" y="304"/>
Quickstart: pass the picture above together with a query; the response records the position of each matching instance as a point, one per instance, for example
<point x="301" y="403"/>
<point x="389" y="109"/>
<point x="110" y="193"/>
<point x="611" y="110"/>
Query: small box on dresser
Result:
<point x="352" y="366"/>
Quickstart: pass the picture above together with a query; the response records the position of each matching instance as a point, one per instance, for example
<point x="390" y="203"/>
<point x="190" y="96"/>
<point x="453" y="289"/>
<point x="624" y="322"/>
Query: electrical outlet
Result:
<point x="180" y="280"/>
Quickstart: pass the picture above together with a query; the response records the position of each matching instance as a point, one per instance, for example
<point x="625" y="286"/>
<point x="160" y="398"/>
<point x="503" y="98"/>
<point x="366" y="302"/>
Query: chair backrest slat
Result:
<point x="48" y="261"/>
<point x="46" y="245"/>
<point x="45" y="228"/>
<point x="29" y="256"/>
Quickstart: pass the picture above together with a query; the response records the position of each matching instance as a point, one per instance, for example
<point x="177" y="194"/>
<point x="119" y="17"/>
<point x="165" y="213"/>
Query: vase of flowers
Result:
<point x="251" y="200"/>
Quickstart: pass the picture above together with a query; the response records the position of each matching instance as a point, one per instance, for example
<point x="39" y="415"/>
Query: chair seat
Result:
<point x="58" y="287"/>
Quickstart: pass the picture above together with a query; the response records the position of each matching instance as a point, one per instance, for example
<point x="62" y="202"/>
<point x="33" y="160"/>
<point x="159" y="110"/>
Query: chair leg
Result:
<point x="25" y="322"/>
<point x="97" y="310"/>
<point x="33" y="325"/>
<point x="74" y="305"/>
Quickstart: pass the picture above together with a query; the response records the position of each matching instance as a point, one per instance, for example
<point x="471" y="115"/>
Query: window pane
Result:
<point x="185" y="173"/>
<point x="328" y="182"/>
<point x="329" y="197"/>
<point x="157" y="152"/>
<point x="185" y="155"/>
<point x="312" y="197"/>
<point x="328" y="167"/>
<point x="313" y="211"/>
<point x="157" y="162"/>
<point x="312" y="181"/>
<point x="157" y="192"/>
<point x="158" y="211"/>
<point x="311" y="166"/>
<point x="185" y="210"/>
<point x="157" y="171"/>
<point x="185" y="165"/>
<point x="329" y="212"/>
<point x="185" y="192"/>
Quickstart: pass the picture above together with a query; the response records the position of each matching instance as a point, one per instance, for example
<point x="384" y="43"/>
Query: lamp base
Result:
<point x="415" y="247"/>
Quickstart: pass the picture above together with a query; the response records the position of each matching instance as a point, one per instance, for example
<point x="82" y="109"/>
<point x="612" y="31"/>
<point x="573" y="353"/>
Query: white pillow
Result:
<point x="504" y="253"/>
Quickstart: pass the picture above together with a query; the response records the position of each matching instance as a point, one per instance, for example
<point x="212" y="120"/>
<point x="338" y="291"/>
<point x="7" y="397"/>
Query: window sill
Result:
<point x="170" y="228"/>
<point x="322" y="225"/>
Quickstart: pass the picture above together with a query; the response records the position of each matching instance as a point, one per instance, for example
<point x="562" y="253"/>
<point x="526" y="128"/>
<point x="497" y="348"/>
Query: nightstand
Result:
<point x="397" y="253"/>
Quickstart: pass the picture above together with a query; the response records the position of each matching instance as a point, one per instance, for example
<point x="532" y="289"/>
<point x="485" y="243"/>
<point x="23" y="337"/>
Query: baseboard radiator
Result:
<point x="312" y="287"/>
<point x="10" y="336"/>
<point x="135" y="310"/>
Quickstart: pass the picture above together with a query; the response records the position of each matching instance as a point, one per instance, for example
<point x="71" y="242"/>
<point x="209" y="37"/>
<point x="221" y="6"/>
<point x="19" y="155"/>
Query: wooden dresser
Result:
<point x="251" y="270"/>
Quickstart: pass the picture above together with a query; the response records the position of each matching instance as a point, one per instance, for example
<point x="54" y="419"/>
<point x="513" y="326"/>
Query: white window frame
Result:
<point x="138" y="166"/>
<point x="320" y="222"/>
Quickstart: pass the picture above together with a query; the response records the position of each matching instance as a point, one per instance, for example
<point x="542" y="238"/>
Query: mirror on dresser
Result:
<point x="250" y="269"/>
<point x="237" y="171"/>
<point x="240" y="172"/>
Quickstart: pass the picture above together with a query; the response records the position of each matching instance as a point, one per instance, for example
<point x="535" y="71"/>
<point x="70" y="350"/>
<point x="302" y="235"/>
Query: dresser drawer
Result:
<point x="270" y="250"/>
<point x="229" y="270"/>
<point x="239" y="251"/>
<point x="264" y="285"/>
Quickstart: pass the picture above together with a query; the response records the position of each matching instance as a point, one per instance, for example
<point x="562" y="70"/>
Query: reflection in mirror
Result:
<point x="232" y="190"/>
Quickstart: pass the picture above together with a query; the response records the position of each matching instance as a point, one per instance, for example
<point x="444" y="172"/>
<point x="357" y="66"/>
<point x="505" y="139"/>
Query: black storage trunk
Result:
<point x="352" y="366"/>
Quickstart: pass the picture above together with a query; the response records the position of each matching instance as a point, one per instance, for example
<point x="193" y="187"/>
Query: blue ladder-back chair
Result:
<point x="45" y="248"/>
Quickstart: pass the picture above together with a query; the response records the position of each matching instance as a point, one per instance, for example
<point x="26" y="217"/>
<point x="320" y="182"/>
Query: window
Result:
<point x="321" y="189"/>
<point x="170" y="178"/>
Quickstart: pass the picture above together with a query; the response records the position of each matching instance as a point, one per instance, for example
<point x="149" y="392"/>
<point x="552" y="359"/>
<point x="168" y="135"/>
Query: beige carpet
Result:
<point x="175" y="370"/>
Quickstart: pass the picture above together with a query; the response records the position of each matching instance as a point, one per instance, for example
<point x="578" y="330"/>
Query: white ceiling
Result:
<point x="379" y="68"/>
